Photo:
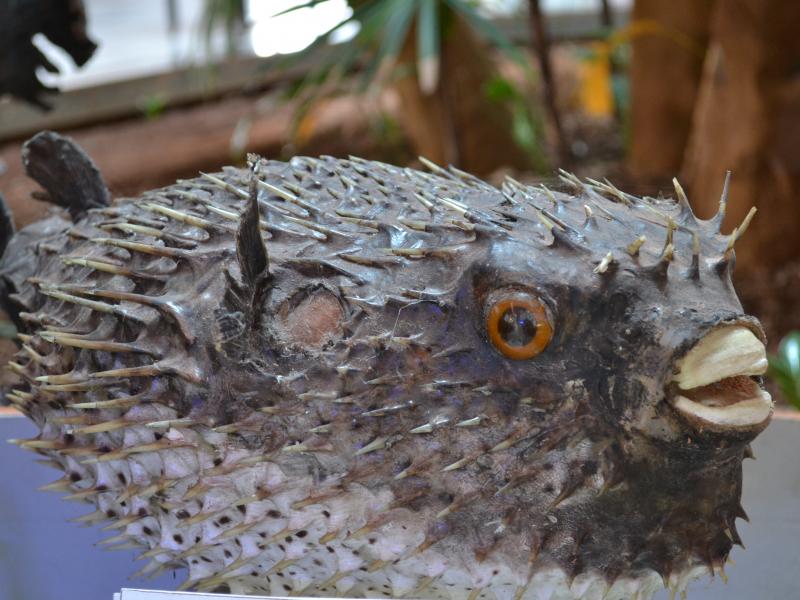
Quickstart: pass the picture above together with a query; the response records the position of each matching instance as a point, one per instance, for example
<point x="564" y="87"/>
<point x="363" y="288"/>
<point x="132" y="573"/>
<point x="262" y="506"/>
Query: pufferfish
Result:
<point x="337" y="377"/>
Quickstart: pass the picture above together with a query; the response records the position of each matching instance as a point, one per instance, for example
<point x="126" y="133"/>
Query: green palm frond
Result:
<point x="428" y="48"/>
<point x="227" y="14"/>
<point x="784" y="368"/>
<point x="384" y="26"/>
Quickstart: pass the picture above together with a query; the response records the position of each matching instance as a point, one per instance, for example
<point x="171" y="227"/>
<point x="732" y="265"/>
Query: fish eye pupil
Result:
<point x="517" y="326"/>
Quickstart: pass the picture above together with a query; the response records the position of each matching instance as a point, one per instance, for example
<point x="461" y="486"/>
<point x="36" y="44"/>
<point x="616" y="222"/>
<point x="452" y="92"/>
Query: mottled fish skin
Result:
<point x="319" y="408"/>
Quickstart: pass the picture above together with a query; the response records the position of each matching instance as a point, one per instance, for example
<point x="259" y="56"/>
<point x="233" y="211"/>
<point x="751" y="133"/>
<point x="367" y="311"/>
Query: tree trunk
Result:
<point x="458" y="123"/>
<point x="747" y="119"/>
<point x="669" y="42"/>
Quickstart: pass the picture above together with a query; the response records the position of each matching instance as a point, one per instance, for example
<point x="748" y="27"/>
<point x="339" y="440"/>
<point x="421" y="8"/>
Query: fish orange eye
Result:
<point x="519" y="326"/>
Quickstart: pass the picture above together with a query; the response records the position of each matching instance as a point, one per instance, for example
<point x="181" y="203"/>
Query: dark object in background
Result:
<point x="7" y="229"/>
<point x="63" y="22"/>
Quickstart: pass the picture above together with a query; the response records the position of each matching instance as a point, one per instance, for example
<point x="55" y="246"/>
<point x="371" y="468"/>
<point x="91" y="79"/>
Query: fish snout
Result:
<point x="717" y="385"/>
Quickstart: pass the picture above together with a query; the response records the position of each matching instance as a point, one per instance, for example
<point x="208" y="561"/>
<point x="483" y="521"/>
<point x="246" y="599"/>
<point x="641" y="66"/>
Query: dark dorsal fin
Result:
<point x="6" y="287"/>
<point x="69" y="177"/>
<point x="6" y="225"/>
<point x="250" y="248"/>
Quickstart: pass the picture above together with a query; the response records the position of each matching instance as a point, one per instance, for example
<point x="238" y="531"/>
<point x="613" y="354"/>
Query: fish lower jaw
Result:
<point x="743" y="415"/>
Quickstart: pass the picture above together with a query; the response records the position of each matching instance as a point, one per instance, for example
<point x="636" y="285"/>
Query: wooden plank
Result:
<point x="130" y="97"/>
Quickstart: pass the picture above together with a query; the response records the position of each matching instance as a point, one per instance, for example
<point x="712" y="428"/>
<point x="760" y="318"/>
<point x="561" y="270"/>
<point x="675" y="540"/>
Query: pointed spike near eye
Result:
<point x="729" y="247"/>
<point x="601" y="268"/>
<point x="660" y="270"/>
<point x="723" y="202"/>
<point x="635" y="245"/>
<point x="250" y="248"/>
<point x="683" y="200"/>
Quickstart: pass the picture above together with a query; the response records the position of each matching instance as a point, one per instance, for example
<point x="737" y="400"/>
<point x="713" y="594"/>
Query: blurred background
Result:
<point x="635" y="91"/>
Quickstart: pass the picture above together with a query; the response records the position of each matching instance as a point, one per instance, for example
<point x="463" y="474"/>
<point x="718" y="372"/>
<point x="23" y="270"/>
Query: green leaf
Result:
<point x="390" y="25"/>
<point x="428" y="45"/>
<point x="153" y="105"/>
<point x="784" y="367"/>
<point x="500" y="89"/>
<point x="396" y="30"/>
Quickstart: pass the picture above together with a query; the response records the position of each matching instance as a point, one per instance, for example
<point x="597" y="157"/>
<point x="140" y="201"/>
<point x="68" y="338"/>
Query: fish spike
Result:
<point x="683" y="200"/>
<point x="515" y="183"/>
<point x="509" y="196"/>
<point x="602" y="267"/>
<point x="729" y="247"/>
<point x="378" y="443"/>
<point x="723" y="202"/>
<point x="745" y="223"/>
<point x="565" y="239"/>
<point x="671" y="227"/>
<point x="660" y="270"/>
<point x="224" y="185"/>
<point x="475" y="593"/>
<point x="550" y="195"/>
<point x="570" y="179"/>
<point x="618" y="193"/>
<point x="609" y="188"/>
<point x="694" y="269"/>
<point x="434" y="168"/>
<point x="544" y="220"/>
<point x="250" y="248"/>
<point x="635" y="245"/>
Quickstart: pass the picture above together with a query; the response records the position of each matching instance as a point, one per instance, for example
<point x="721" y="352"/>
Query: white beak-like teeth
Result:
<point x="743" y="415"/>
<point x="723" y="360"/>
<point x="724" y="352"/>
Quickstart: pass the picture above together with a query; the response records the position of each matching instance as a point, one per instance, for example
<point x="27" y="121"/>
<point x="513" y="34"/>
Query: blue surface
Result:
<point x="43" y="557"/>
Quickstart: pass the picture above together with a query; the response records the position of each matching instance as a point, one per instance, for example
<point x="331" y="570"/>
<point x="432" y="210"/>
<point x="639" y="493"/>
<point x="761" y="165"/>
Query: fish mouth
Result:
<point x="718" y="382"/>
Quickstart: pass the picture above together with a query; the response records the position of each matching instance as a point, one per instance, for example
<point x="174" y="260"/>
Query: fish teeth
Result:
<point x="722" y="353"/>
<point x="743" y="414"/>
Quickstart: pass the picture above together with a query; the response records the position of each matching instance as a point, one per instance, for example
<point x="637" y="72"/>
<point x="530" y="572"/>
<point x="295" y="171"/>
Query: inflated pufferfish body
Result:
<point x="341" y="377"/>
